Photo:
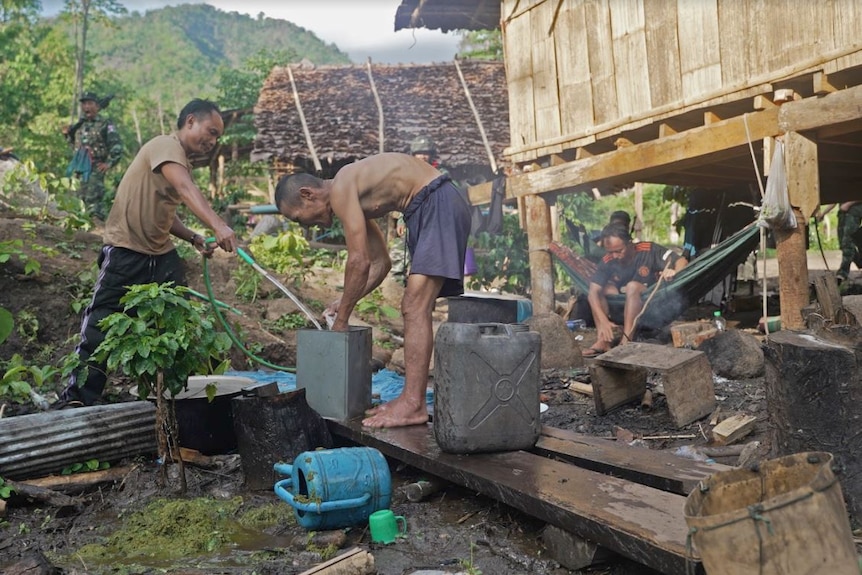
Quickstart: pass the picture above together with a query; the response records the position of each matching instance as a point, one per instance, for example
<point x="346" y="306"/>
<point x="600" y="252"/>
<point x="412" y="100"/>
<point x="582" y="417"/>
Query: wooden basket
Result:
<point x="785" y="518"/>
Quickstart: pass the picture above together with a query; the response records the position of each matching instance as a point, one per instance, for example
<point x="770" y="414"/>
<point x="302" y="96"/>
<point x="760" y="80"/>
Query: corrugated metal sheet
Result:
<point x="448" y="15"/>
<point x="44" y="443"/>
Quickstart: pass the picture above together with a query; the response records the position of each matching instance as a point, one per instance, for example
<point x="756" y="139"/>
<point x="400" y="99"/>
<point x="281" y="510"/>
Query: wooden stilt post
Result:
<point x="804" y="190"/>
<point x="539" y="236"/>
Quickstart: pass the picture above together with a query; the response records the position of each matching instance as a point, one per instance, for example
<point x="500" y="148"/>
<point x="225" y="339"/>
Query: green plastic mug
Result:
<point x="385" y="526"/>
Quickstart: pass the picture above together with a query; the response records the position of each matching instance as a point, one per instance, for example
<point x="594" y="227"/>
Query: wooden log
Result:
<point x="579" y="387"/>
<point x="828" y="296"/>
<point x="682" y="334"/>
<point x="814" y="399"/>
<point x="733" y="429"/>
<point x="352" y="562"/>
<point x="81" y="481"/>
<point x="44" y="495"/>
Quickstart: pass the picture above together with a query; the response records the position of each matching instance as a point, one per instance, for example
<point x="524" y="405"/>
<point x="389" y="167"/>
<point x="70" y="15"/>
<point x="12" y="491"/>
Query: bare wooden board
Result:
<point x="613" y="388"/>
<point x="637" y="355"/>
<point x="658" y="469"/>
<point x="638" y="522"/>
<point x="733" y="429"/>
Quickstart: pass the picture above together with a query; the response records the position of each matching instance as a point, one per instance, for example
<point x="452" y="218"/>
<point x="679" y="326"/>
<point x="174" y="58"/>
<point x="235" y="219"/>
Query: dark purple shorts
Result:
<point x="438" y="224"/>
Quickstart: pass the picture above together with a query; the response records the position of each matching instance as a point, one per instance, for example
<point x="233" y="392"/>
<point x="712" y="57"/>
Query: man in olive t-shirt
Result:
<point x="138" y="247"/>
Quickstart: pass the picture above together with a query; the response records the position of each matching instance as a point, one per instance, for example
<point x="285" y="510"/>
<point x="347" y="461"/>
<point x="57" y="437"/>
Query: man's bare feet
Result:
<point x="377" y="409"/>
<point x="397" y="414"/>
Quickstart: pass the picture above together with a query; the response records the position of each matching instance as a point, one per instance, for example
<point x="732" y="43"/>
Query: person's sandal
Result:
<point x="593" y="352"/>
<point x="66" y="404"/>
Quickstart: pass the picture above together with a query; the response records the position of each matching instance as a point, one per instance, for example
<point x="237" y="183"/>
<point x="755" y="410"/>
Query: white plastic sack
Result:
<point x="776" y="212"/>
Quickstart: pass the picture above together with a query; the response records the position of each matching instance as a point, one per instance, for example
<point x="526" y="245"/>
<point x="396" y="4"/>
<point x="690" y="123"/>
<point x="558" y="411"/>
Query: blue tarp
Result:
<point x="385" y="384"/>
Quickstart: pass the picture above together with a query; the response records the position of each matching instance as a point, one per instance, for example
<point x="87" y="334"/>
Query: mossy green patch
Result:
<point x="268" y="516"/>
<point x="169" y="529"/>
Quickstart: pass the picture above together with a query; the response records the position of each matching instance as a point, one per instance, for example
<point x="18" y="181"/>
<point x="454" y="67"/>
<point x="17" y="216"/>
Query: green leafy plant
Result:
<point x="159" y="339"/>
<point x="288" y="322"/>
<point x="15" y="248"/>
<point x="14" y="386"/>
<point x="85" y="467"/>
<point x="372" y="304"/>
<point x="502" y="260"/>
<point x="27" y="326"/>
<point x="6" y="490"/>
<point x="7" y="324"/>
<point x="282" y="253"/>
<point x="247" y="282"/>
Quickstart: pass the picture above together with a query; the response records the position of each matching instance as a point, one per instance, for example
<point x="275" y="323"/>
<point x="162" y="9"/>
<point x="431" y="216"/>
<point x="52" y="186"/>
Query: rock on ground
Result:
<point x="734" y="354"/>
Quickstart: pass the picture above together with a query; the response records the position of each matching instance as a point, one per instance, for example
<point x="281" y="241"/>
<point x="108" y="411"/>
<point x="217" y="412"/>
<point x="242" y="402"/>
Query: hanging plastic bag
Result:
<point x="776" y="212"/>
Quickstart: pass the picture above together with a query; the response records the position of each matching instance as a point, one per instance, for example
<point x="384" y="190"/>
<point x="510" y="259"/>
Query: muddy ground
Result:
<point x="219" y="526"/>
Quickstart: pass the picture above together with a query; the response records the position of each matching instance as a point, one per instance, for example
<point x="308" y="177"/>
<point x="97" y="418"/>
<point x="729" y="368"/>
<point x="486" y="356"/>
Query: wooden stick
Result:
<point x="579" y="387"/>
<point x="649" y="299"/>
<point x="44" y="495"/>
<point x="491" y="159"/>
<point x="305" y="131"/>
<point x="681" y="436"/>
<point x="79" y="481"/>
<point x="379" y="106"/>
<point x="352" y="562"/>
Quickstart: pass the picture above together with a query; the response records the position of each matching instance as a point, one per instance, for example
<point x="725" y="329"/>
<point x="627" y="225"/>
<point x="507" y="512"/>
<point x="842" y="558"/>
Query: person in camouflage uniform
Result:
<point x="98" y="148"/>
<point x="849" y="220"/>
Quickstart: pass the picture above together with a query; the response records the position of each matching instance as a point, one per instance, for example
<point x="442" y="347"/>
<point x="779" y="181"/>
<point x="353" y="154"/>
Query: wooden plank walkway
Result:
<point x="657" y="469"/>
<point x="642" y="523"/>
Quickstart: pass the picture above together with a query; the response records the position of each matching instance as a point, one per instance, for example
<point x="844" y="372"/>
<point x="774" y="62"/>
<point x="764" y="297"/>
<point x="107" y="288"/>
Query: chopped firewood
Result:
<point x="750" y="455"/>
<point x="198" y="459"/>
<point x="584" y="388"/>
<point x="352" y="562"/>
<point x="713" y="419"/>
<point x="2" y="508"/>
<point x="733" y="429"/>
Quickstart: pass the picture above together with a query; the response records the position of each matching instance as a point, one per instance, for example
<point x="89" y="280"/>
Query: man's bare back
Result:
<point x="385" y="182"/>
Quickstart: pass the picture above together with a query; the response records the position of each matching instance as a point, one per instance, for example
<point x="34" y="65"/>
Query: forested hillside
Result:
<point x="175" y="53"/>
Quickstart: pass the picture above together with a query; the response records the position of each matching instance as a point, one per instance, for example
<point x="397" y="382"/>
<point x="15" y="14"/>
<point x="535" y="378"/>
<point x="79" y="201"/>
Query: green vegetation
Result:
<point x="85" y="467"/>
<point x="6" y="490"/>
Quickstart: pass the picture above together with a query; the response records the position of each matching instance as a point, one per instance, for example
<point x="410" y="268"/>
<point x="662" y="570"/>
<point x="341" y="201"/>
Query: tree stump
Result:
<point x="814" y="400"/>
<point x="275" y="429"/>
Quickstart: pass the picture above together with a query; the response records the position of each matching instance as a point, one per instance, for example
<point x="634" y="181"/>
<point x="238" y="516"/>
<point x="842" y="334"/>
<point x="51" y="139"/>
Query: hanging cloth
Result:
<point x="81" y="164"/>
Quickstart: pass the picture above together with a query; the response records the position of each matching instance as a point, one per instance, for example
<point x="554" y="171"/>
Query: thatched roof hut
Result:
<point x="343" y="119"/>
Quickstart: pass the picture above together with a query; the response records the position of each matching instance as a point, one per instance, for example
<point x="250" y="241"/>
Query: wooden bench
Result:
<point x="619" y="377"/>
<point x="642" y="523"/>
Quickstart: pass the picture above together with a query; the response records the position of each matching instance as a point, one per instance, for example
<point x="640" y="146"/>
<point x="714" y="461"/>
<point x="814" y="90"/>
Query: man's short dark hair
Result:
<point x="201" y="109"/>
<point x="287" y="190"/>
<point x="622" y="217"/>
<point x="616" y="231"/>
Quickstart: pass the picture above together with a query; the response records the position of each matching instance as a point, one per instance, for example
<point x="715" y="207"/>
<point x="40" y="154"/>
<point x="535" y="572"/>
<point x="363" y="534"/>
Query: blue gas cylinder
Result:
<point x="335" y="488"/>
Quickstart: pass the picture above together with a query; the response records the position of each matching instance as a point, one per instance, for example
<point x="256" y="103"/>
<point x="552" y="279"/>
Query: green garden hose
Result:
<point x="230" y="332"/>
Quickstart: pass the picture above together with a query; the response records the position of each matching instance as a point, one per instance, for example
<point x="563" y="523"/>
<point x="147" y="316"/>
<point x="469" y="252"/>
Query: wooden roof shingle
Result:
<point x="417" y="100"/>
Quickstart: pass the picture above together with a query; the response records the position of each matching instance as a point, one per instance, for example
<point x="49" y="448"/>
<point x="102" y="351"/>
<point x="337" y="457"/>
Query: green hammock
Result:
<point x="688" y="285"/>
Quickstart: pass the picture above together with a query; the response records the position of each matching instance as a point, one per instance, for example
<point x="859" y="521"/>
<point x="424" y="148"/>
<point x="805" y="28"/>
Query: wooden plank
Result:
<point x="631" y="71"/>
<point x="597" y="17"/>
<point x="828" y="296"/>
<point x="734" y="40"/>
<point x="644" y="524"/>
<point x="613" y="388"/>
<point x="733" y="429"/>
<point x="689" y="390"/>
<point x="699" y="53"/>
<point x="646" y="161"/>
<point x="539" y="235"/>
<point x="545" y="95"/>
<point x="650" y="356"/>
<point x="662" y="49"/>
<point x="654" y="468"/>
<point x="519" y="76"/>
<point x="576" y="96"/>
<point x="816" y="113"/>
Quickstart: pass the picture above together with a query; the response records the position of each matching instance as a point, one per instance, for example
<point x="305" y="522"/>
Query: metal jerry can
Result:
<point x="335" y="488"/>
<point x="486" y="387"/>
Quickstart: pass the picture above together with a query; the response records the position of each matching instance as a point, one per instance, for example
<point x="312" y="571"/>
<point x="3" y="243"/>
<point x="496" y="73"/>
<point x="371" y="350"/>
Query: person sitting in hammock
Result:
<point x="626" y="268"/>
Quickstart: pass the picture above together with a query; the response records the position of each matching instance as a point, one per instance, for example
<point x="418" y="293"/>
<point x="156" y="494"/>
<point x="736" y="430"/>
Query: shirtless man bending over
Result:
<point x="438" y="223"/>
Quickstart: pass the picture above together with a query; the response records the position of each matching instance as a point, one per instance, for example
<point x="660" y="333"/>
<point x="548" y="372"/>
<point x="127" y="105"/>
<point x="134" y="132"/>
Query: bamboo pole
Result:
<point x="311" y="149"/>
<point x="379" y="105"/>
<point x="491" y="159"/>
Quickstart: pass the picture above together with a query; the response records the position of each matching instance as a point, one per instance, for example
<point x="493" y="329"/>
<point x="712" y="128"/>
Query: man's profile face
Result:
<point x="616" y="248"/>
<point x="312" y="211"/>
<point x="424" y="156"/>
<point x="204" y="133"/>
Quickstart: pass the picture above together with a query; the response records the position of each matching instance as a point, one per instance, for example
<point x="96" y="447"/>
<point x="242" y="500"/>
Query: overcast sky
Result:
<point x="362" y="28"/>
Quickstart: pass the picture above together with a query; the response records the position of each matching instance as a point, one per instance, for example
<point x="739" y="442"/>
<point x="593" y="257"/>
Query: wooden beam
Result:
<point x="641" y="162"/>
<point x="710" y="117"/>
<point x="821" y="84"/>
<point x="762" y="102"/>
<point x="816" y="113"/>
<point x="793" y="273"/>
<point x="539" y="236"/>
<point x="803" y="178"/>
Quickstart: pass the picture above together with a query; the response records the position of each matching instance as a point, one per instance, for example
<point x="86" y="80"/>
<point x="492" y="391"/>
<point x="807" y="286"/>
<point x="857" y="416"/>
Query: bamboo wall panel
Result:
<point x="645" y="59"/>
<point x="600" y="54"/>
<point x="629" y="42"/>
<point x="546" y="96"/>
<point x="576" y="95"/>
<point x="662" y="52"/>
<point x="699" y="57"/>
<point x="519" y="75"/>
